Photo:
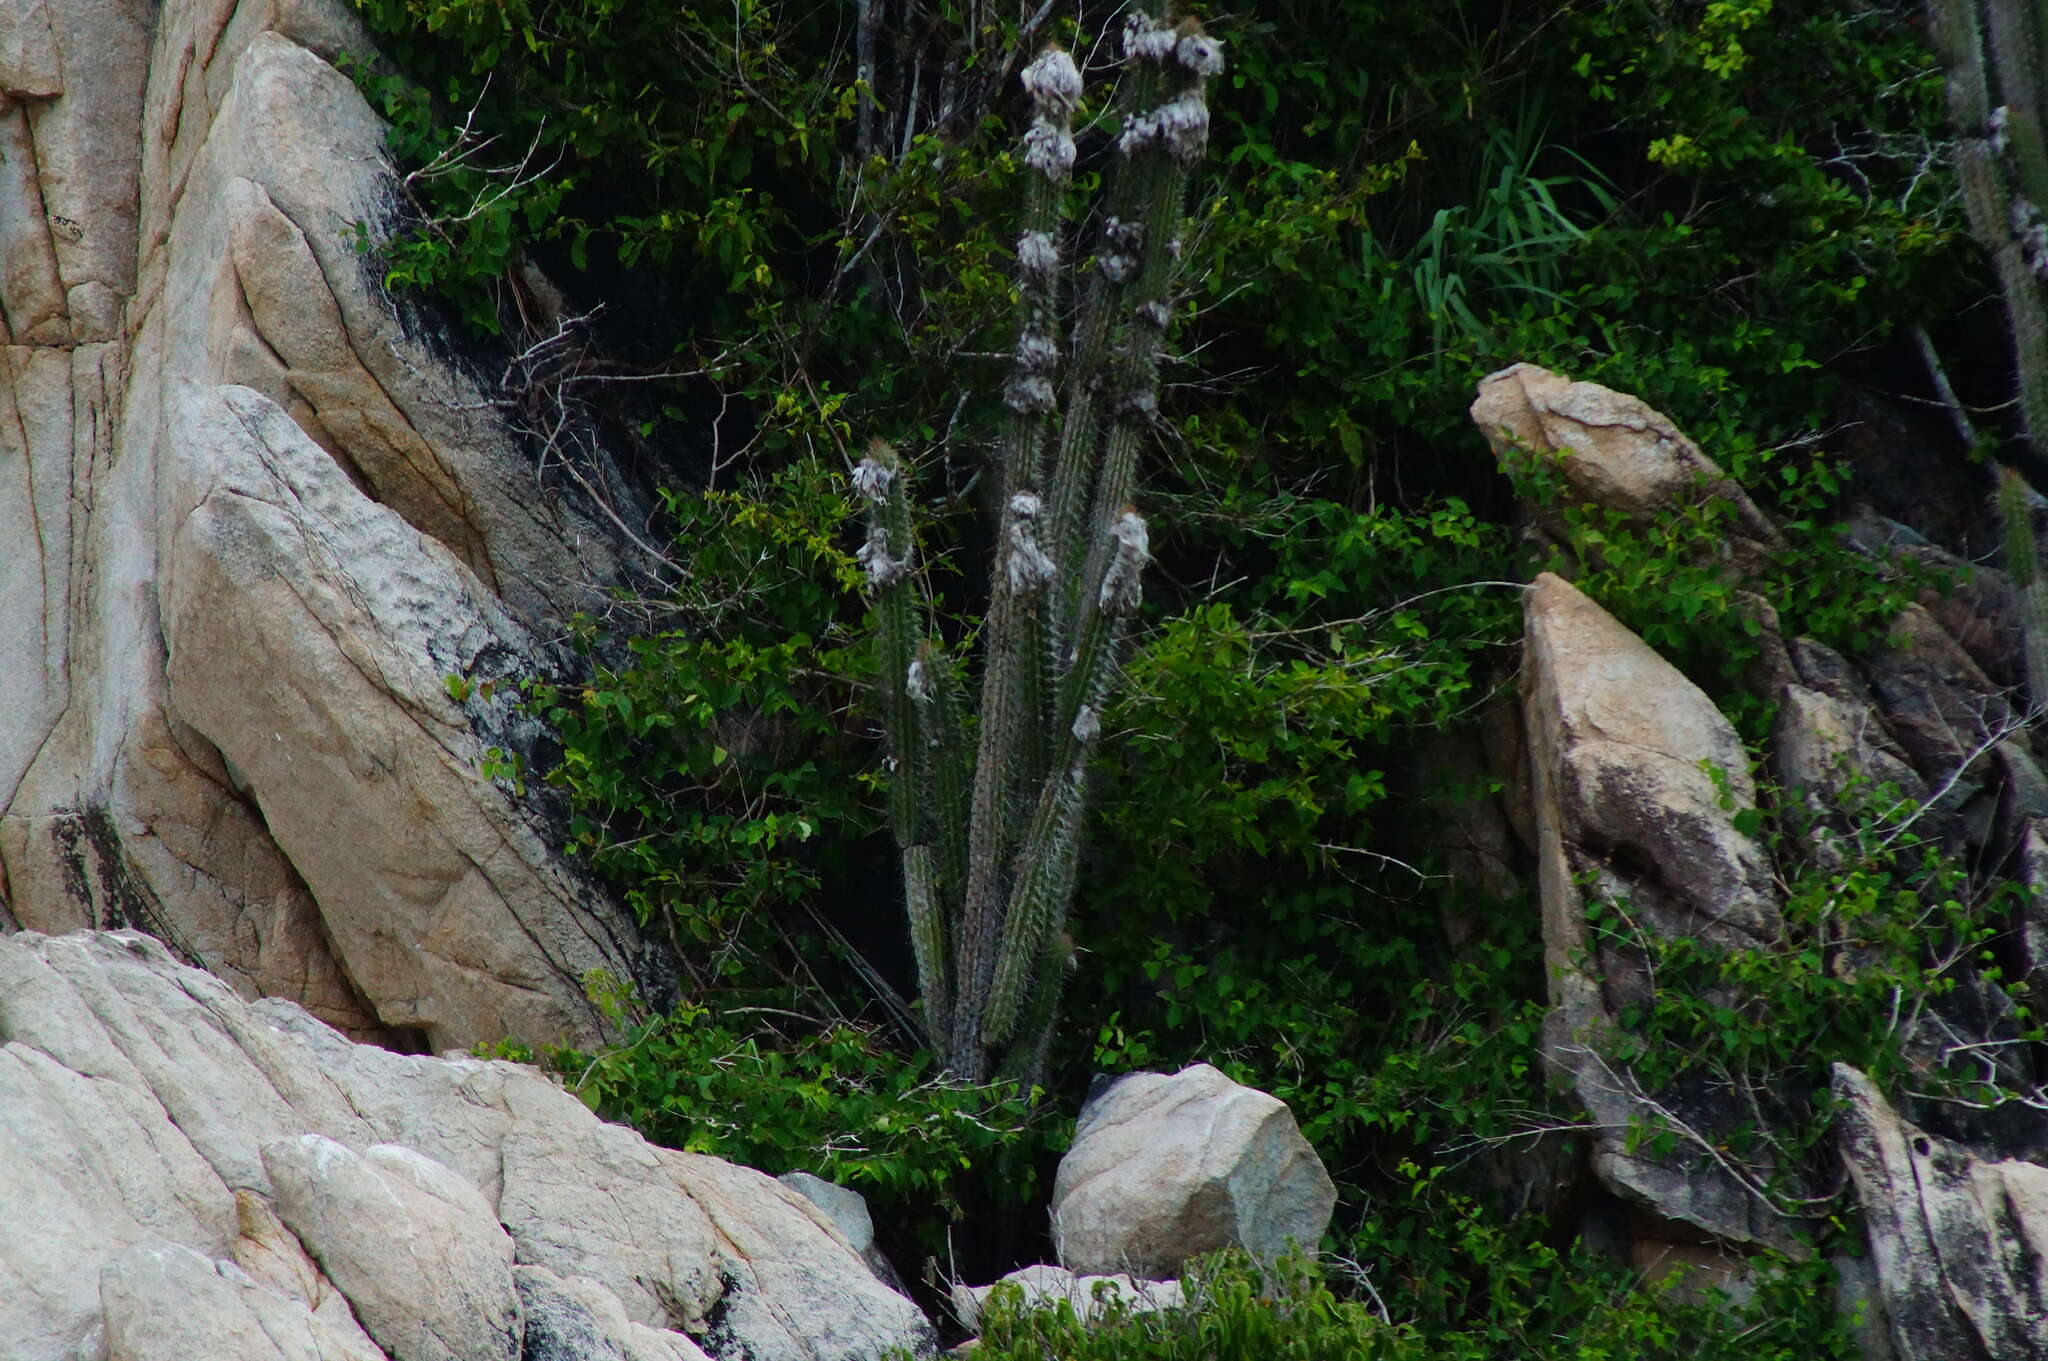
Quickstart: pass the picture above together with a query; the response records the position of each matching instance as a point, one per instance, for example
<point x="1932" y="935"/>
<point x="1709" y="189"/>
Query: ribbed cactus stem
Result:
<point x="2023" y="564"/>
<point x="1055" y="89"/>
<point x="1116" y="271"/>
<point x="1033" y="1035"/>
<point x="942" y="734"/>
<point x="1995" y="101"/>
<point x="1035" y="901"/>
<point x="1012" y="699"/>
<point x="886" y="559"/>
<point x="1051" y="848"/>
<point x="2016" y="55"/>
<point x="928" y="944"/>
<point x="1161" y="145"/>
<point x="991" y="847"/>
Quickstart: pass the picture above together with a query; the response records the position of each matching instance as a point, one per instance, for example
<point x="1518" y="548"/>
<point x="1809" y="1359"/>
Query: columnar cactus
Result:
<point x="990" y="839"/>
<point x="2023" y="561"/>
<point x="1997" y="53"/>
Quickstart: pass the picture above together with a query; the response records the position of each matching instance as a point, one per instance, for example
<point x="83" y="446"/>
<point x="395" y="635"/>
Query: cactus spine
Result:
<point x="991" y="839"/>
<point x="1997" y="52"/>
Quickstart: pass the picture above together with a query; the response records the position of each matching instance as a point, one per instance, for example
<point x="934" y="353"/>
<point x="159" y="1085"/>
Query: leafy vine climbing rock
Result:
<point x="989" y="839"/>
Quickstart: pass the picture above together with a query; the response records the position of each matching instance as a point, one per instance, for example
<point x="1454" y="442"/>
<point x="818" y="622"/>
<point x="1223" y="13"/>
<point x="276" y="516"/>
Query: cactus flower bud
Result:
<point x="1037" y="256"/>
<point x="1037" y="352"/>
<point x="1049" y="149"/>
<point x="1183" y="123"/>
<point x="883" y="568"/>
<point x="1199" y="53"/>
<point x="1028" y="393"/>
<point x="1145" y="39"/>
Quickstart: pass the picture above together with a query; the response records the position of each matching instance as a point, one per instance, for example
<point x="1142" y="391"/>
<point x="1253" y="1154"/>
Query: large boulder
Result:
<point x="260" y="517"/>
<point x="163" y="1141"/>
<point x="1164" y="1168"/>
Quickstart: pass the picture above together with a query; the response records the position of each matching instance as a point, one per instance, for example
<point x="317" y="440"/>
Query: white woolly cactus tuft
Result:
<point x="1199" y="53"/>
<point x="1054" y="83"/>
<point x="990" y="839"/>
<point x="1037" y="256"/>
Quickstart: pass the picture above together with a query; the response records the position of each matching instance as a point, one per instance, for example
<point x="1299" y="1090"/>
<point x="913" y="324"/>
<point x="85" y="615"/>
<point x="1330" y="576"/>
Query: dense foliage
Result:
<point x="1728" y="207"/>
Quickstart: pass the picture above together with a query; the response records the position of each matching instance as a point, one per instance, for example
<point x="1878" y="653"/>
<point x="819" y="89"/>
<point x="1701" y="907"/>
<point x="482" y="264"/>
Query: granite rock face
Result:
<point x="188" y="1174"/>
<point x="258" y="517"/>
<point x="1959" y="1242"/>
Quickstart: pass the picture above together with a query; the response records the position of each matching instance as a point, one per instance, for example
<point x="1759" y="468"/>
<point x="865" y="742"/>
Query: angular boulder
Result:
<point x="1638" y="784"/>
<point x="1614" y="449"/>
<point x="1164" y="1168"/>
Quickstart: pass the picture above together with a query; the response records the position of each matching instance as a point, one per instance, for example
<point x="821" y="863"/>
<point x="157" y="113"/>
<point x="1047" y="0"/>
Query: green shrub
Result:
<point x="782" y="1092"/>
<point x="1881" y="928"/>
<point x="708" y="774"/>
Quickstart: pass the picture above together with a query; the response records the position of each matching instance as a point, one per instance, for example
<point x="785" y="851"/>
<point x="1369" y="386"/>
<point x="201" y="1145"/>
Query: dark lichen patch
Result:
<point x="97" y="875"/>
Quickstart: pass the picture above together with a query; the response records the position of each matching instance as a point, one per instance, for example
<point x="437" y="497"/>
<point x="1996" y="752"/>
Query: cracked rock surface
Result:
<point x="256" y="519"/>
<point x="190" y="1175"/>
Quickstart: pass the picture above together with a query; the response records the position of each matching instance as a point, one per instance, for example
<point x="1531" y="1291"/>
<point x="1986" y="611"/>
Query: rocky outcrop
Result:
<point x="1164" y="1168"/>
<point x="1643" y="805"/>
<point x="188" y="1174"/>
<point x="261" y="517"/>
